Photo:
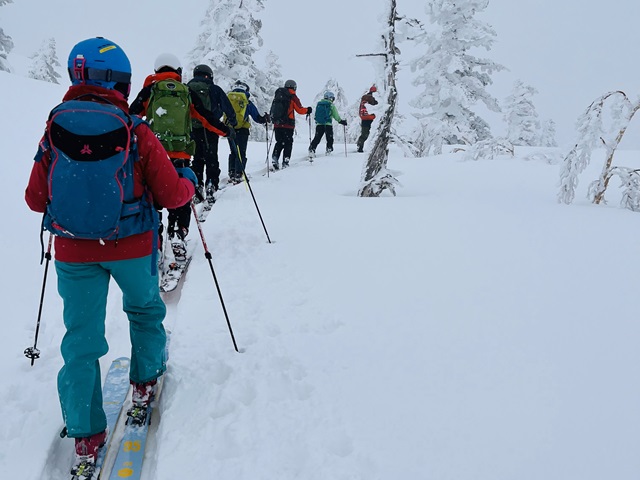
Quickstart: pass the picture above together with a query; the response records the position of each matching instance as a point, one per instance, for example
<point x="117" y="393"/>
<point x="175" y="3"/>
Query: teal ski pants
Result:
<point x="83" y="288"/>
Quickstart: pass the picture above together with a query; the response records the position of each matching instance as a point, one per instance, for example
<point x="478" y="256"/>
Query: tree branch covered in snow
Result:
<point x="603" y="124"/>
<point x="490" y="149"/>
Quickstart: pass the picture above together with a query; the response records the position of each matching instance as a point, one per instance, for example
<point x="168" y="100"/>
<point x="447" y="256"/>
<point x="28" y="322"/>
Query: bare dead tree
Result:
<point x="376" y="178"/>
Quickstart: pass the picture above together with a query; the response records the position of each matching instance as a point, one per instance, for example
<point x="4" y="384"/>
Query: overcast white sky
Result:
<point x="570" y="50"/>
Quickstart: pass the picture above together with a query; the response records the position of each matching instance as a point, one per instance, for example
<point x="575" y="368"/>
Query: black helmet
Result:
<point x="203" y="71"/>
<point x="291" y="84"/>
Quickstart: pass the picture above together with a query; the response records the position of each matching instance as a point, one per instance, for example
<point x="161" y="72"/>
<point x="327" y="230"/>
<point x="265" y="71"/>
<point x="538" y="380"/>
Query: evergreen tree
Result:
<point x="453" y="80"/>
<point x="523" y="125"/>
<point x="6" y="44"/>
<point x="45" y="61"/>
<point x="229" y="38"/>
<point x="267" y="82"/>
<point x="549" y="134"/>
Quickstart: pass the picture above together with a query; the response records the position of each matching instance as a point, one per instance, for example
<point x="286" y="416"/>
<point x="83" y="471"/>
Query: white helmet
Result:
<point x="167" y="60"/>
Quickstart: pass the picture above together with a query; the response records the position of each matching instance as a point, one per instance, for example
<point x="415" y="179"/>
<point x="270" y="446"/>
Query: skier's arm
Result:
<point x="297" y="106"/>
<point x="222" y="100"/>
<point x="252" y="111"/>
<point x="207" y="118"/>
<point x="335" y="114"/>
<point x="139" y="105"/>
<point x="37" y="193"/>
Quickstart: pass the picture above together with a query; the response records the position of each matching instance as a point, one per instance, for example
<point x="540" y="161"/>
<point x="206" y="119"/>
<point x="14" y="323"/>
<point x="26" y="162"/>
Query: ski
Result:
<point x="173" y="270"/>
<point x="173" y="273"/>
<point x="114" y="393"/>
<point x="130" y="457"/>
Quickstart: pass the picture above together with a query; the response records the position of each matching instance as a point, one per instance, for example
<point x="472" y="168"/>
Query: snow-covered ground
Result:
<point x="470" y="328"/>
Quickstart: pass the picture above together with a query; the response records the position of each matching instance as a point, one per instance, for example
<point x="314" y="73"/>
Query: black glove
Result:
<point x="267" y="118"/>
<point x="186" y="172"/>
<point x="343" y="122"/>
<point x="231" y="133"/>
<point x="309" y="110"/>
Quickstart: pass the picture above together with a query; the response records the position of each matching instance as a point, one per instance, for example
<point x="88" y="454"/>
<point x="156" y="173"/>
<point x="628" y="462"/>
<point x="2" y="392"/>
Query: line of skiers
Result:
<point x="100" y="178"/>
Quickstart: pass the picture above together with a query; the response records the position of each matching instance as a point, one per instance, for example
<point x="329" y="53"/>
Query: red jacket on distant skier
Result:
<point x="367" y="98"/>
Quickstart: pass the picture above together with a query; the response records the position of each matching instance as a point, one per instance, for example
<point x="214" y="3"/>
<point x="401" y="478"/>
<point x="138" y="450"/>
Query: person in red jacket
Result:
<point x="366" y="118"/>
<point x="100" y="72"/>
<point x="284" y="127"/>
<point x="168" y="68"/>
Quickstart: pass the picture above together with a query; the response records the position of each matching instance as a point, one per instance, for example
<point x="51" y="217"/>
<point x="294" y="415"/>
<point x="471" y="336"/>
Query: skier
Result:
<point x="100" y="75"/>
<point x="170" y="108"/>
<point x="206" y="155"/>
<point x="244" y="108"/>
<point x="283" y="109"/>
<point x="366" y="117"/>
<point x="326" y="111"/>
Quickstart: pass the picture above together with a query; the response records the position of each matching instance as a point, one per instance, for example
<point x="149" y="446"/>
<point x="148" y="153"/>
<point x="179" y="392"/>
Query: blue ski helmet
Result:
<point x="100" y="62"/>
<point x="328" y="95"/>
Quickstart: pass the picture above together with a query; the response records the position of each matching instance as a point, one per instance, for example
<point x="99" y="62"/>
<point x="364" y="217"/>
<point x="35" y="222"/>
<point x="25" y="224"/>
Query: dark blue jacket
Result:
<point x="220" y="103"/>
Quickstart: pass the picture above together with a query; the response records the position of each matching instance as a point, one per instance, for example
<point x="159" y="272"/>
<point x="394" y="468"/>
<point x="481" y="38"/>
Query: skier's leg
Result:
<point x="145" y="309"/>
<point x="83" y="288"/>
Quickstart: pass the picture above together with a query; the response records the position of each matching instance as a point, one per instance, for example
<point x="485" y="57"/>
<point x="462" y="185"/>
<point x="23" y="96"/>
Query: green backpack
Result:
<point x="169" y="115"/>
<point x="201" y="89"/>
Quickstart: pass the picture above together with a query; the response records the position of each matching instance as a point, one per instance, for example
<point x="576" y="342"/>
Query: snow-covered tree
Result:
<point x="523" y="124"/>
<point x="6" y="45"/>
<point x="229" y="38"/>
<point x="549" y="134"/>
<point x="603" y="124"/>
<point x="375" y="176"/>
<point x="44" y="62"/>
<point x="452" y="78"/>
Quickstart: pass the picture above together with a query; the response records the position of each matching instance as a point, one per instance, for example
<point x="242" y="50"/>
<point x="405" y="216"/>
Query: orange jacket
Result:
<point x="294" y="106"/>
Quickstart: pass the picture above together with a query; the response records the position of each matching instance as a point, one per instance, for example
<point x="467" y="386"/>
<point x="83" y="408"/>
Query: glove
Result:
<point x="309" y="110"/>
<point x="186" y="172"/>
<point x="234" y="123"/>
<point x="343" y="122"/>
<point x="231" y="133"/>
<point x="267" y="118"/>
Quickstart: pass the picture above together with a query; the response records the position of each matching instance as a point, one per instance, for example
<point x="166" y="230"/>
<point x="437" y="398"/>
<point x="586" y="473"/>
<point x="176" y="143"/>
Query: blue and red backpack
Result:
<point x="91" y="176"/>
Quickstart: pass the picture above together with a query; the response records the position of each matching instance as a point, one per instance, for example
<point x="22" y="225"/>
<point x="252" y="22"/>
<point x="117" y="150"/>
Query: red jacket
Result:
<point x="364" y="114"/>
<point x="153" y="168"/>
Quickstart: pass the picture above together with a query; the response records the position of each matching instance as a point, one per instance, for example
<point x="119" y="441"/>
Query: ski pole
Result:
<point x="208" y="256"/>
<point x="32" y="352"/>
<point x="246" y="179"/>
<point x="344" y="129"/>
<point x="266" y="138"/>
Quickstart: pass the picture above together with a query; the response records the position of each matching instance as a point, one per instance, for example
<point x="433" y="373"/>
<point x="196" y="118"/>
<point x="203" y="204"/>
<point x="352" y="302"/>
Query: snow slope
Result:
<point x="470" y="328"/>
